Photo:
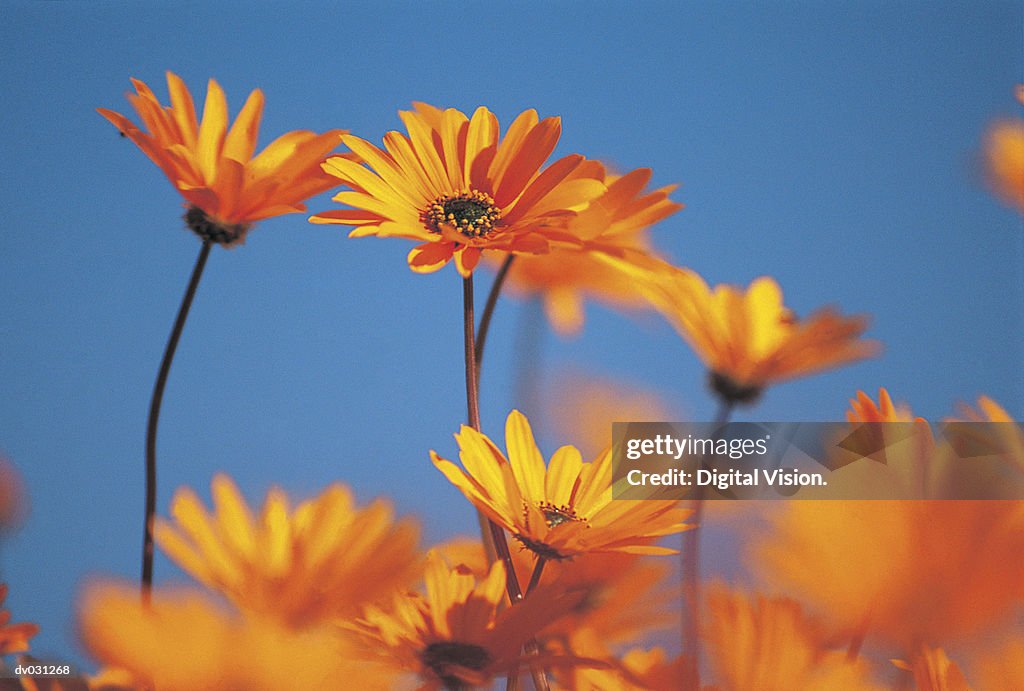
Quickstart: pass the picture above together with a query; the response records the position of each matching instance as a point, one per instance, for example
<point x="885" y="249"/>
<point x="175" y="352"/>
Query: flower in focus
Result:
<point x="13" y="637"/>
<point x="559" y="511"/>
<point x="1004" y="158"/>
<point x="454" y="637"/>
<point x="458" y="188"/>
<point x="934" y="671"/>
<point x="770" y="645"/>
<point x="615" y="224"/>
<point x="182" y="641"/>
<point x="322" y="559"/>
<point x="226" y="188"/>
<point x="749" y="339"/>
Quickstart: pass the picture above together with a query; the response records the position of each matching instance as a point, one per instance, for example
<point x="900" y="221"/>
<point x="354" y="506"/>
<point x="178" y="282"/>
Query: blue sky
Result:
<point x="834" y="148"/>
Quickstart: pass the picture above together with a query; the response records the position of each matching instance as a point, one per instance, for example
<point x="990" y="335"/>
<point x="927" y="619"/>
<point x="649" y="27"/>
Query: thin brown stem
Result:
<point x="515" y="593"/>
<point x="691" y="573"/>
<point x="154" y="418"/>
<point x="537" y="571"/>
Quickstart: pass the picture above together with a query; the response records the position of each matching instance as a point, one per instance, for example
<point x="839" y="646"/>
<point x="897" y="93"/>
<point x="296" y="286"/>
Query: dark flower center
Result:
<point x="732" y="392"/>
<point x="471" y="213"/>
<point x="215" y="231"/>
<point x="553" y="516"/>
<point x="442" y="656"/>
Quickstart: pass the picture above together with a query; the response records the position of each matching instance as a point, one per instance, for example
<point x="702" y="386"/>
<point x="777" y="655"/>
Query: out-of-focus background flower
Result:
<point x="837" y="149"/>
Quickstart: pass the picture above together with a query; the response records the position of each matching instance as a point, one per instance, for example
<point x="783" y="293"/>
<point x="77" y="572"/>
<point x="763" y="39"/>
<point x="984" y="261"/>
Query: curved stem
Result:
<point x="691" y="573"/>
<point x="488" y="313"/>
<point x="154" y="418"/>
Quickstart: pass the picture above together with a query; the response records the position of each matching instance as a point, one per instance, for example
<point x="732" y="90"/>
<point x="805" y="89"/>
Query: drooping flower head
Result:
<point x="559" y="511"/>
<point x="322" y="559"/>
<point x="457" y="187"/>
<point x="749" y="339"/>
<point x="454" y="637"/>
<point x="226" y="188"/>
<point x="615" y="224"/>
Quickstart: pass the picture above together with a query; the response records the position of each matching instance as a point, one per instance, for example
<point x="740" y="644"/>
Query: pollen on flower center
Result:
<point x="473" y="214"/>
<point x="442" y="656"/>
<point x="557" y="515"/>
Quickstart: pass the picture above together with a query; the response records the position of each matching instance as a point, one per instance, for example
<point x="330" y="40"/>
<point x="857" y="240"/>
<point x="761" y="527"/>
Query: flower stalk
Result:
<point x="154" y="418"/>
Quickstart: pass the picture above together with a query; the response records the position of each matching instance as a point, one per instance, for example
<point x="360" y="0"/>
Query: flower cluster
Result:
<point x="567" y="585"/>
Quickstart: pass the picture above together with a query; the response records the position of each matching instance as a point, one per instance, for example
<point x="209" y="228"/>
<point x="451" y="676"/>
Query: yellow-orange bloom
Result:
<point x="863" y="409"/>
<point x="1004" y="156"/>
<point x="227" y="189"/>
<point x="13" y="637"/>
<point x="454" y="637"/>
<point x="458" y="188"/>
<point x="183" y="642"/>
<point x="559" y="511"/>
<point x="615" y="224"/>
<point x="901" y="571"/>
<point x="750" y="339"/>
<point x="636" y="670"/>
<point x="322" y="559"/>
<point x="770" y="645"/>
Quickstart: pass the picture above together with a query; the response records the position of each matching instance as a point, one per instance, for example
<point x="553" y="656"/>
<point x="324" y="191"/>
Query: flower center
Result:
<point x="553" y="516"/>
<point x="557" y="515"/>
<point x="209" y="228"/>
<point x="442" y="656"/>
<point x="471" y="213"/>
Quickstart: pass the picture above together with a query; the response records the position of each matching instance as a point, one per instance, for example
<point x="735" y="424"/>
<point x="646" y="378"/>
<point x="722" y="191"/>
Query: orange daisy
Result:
<point x="1004" y="156"/>
<point x="454" y="637"/>
<point x="863" y="409"/>
<point x="458" y="188"/>
<point x="616" y="224"/>
<point x="321" y="559"/>
<point x="559" y="511"/>
<point x="750" y="339"/>
<point x="181" y="641"/>
<point x="769" y="644"/>
<point x="226" y="188"/>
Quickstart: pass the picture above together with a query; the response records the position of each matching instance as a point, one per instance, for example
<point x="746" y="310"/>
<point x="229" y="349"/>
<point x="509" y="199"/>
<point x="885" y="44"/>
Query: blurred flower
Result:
<point x="616" y="224"/>
<point x="454" y="637"/>
<point x="213" y="168"/>
<point x="1004" y="158"/>
<point x="13" y="637"/>
<point x="12" y="497"/>
<point x="453" y="186"/>
<point x="999" y="434"/>
<point x="560" y="511"/>
<point x="1002" y="666"/>
<point x="770" y="645"/>
<point x="623" y="597"/>
<point x="863" y="409"/>
<point x="181" y="641"/>
<point x="582" y="407"/>
<point x="636" y="670"/>
<point x="749" y="339"/>
<point x="906" y="571"/>
<point x="323" y="559"/>
<point x="934" y="671"/>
